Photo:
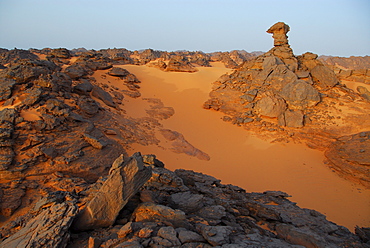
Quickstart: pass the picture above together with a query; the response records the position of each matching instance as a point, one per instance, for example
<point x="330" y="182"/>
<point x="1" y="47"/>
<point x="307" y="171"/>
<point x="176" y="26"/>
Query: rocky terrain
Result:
<point x="298" y="98"/>
<point x="67" y="181"/>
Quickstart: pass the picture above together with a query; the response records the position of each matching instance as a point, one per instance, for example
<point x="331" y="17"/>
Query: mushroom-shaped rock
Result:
<point x="279" y="31"/>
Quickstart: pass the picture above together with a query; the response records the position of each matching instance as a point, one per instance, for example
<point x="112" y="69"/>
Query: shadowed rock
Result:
<point x="125" y="179"/>
<point x="104" y="96"/>
<point x="48" y="229"/>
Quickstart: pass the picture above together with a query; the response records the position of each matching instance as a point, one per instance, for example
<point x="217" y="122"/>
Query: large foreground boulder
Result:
<point x="125" y="179"/>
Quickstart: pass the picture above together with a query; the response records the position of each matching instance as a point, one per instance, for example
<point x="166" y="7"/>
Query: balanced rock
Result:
<point x="279" y="31"/>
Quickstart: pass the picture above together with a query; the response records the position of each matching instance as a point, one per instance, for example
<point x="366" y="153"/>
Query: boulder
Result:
<point x="300" y="95"/>
<point x="187" y="201"/>
<point x="88" y="106"/>
<point x="83" y="88"/>
<point x="216" y="235"/>
<point x="48" y="229"/>
<point x="118" y="72"/>
<point x="76" y="71"/>
<point x="125" y="179"/>
<point x="270" y="106"/>
<point x="154" y="212"/>
<point x="170" y="234"/>
<point x="104" y="96"/>
<point x="186" y="236"/>
<point x="324" y="77"/>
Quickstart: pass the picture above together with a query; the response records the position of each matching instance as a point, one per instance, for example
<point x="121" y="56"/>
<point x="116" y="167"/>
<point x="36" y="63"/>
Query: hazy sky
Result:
<point x="325" y="27"/>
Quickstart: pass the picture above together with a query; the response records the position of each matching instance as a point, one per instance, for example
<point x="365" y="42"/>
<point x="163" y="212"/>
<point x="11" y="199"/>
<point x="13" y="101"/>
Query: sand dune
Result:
<point x="236" y="156"/>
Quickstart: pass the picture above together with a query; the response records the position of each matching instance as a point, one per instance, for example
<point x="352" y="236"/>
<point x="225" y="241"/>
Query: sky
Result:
<point x="324" y="27"/>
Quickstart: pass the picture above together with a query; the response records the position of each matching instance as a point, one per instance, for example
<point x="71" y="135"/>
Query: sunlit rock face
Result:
<point x="278" y="93"/>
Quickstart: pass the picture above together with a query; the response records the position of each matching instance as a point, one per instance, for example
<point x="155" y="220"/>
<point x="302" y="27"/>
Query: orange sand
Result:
<point x="237" y="157"/>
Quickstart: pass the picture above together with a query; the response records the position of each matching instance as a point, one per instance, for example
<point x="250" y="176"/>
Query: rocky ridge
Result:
<point x="285" y="97"/>
<point x="172" y="209"/>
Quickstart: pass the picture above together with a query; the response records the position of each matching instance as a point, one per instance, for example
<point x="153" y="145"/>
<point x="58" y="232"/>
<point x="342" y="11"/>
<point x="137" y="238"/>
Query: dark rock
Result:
<point x="89" y="106"/>
<point x="299" y="236"/>
<point x="363" y="233"/>
<point x="216" y="212"/>
<point x="170" y="234"/>
<point x="32" y="96"/>
<point x="6" y="130"/>
<point x="103" y="95"/>
<point x="83" y="88"/>
<point x="76" y="71"/>
<point x="118" y="72"/>
<point x="6" y="157"/>
<point x="216" y="235"/>
<point x="49" y="152"/>
<point x="11" y="201"/>
<point x="62" y="53"/>
<point x="8" y="56"/>
<point x="8" y="114"/>
<point x="187" y="236"/>
<point x="187" y="201"/>
<point x="6" y="86"/>
<point x="27" y="70"/>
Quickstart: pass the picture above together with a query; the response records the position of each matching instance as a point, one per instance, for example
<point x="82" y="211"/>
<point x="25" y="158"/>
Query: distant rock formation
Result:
<point x="277" y="94"/>
<point x="349" y="69"/>
<point x="274" y="84"/>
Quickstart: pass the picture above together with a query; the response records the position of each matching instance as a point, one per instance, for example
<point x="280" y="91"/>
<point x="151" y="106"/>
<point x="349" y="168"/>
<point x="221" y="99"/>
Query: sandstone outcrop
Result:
<point x="277" y="94"/>
<point x="49" y="227"/>
<point x="189" y="209"/>
<point x="353" y="68"/>
<point x="125" y="179"/>
<point x="350" y="155"/>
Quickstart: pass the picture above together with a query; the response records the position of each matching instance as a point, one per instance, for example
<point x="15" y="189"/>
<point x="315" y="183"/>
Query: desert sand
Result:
<point x="236" y="156"/>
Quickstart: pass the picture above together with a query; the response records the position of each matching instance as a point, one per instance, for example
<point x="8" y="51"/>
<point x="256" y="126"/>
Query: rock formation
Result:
<point x="174" y="209"/>
<point x="277" y="93"/>
<point x="125" y="179"/>
<point x="354" y="69"/>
